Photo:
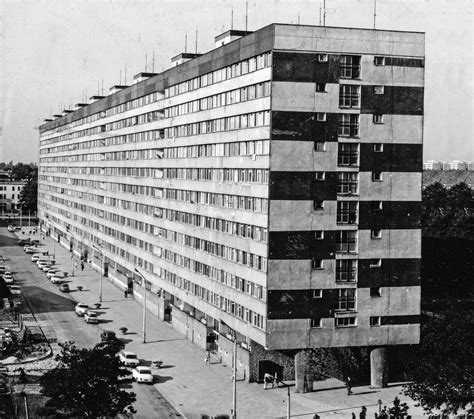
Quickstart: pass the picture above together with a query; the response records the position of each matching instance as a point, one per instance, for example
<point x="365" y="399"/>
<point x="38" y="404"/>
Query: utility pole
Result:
<point x="144" y="303"/>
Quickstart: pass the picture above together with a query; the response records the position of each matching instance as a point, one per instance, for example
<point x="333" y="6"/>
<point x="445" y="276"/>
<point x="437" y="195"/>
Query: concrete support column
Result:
<point x="379" y="367"/>
<point x="301" y="383"/>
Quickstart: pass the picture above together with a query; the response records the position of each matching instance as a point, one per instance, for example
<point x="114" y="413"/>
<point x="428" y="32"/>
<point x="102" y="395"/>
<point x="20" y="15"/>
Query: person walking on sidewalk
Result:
<point x="349" y="386"/>
<point x="207" y="358"/>
<point x="82" y="266"/>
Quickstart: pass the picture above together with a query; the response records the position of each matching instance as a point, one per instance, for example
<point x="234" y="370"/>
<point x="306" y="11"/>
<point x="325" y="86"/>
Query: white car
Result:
<point x="14" y="289"/>
<point x="52" y="272"/>
<point x="129" y="359"/>
<point x="91" y="317"/>
<point x="44" y="265"/>
<point x="81" y="309"/>
<point x="142" y="375"/>
<point x="57" y="280"/>
<point x="11" y="228"/>
<point x="36" y="257"/>
<point x="8" y="278"/>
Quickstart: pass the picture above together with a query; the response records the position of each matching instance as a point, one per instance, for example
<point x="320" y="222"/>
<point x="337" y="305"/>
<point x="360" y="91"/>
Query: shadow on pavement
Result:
<point x="357" y="393"/>
<point x="8" y="241"/>
<point x="161" y="378"/>
<point x="103" y="321"/>
<point x="163" y="367"/>
<point x="46" y="301"/>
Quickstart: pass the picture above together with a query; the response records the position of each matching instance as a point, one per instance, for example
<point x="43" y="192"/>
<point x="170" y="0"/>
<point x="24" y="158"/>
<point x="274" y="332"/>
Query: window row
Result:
<point x="136" y="103"/>
<point x="215" y="299"/>
<point x="222" y="251"/>
<point x="243" y="203"/>
<point x="229" y="72"/>
<point x="229" y="123"/>
<point x="216" y="224"/>
<point x="218" y="175"/>
<point x="243" y="94"/>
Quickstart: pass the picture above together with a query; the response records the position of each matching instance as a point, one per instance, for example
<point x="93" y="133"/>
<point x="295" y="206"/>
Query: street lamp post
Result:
<point x="234" y="373"/>
<point x="144" y="303"/>
<point x="101" y="271"/>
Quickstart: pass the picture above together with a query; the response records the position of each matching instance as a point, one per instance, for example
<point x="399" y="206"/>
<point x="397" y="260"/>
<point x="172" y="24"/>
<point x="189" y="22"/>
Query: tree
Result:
<point x="28" y="199"/>
<point x="87" y="383"/>
<point x="442" y="369"/>
<point x="22" y="171"/>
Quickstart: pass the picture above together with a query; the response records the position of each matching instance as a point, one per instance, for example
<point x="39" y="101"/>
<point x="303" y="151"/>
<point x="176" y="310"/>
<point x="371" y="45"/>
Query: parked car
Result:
<point x="56" y="280"/>
<point x="91" y="317"/>
<point x="8" y="278"/>
<point x="129" y="359"/>
<point x="36" y="257"/>
<point x="81" y="309"/>
<point x="14" y="289"/>
<point x="58" y="274"/>
<point x="44" y="268"/>
<point x="52" y="270"/>
<point x="43" y="264"/>
<point x="64" y="288"/>
<point x="142" y="375"/>
<point x="11" y="228"/>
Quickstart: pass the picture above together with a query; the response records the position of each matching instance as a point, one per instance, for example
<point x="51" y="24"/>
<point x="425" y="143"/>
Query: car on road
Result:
<point x="81" y="309"/>
<point x="43" y="264"/>
<point x="36" y="257"/>
<point x="91" y="317"/>
<point x="31" y="249"/>
<point x="8" y="278"/>
<point x="129" y="359"/>
<point x="142" y="374"/>
<point x="25" y="242"/>
<point x="44" y="267"/>
<point x="11" y="228"/>
<point x="64" y="288"/>
<point x="14" y="289"/>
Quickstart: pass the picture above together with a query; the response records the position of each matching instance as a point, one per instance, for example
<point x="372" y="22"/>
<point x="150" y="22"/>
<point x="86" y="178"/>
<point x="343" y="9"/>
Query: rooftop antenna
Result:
<point x="375" y="11"/>
<point x="98" y="88"/>
<point x="146" y="63"/>
<point x="246" y="16"/>
<point x="125" y="77"/>
<point x="85" y="98"/>
<point x="298" y="18"/>
<point x="186" y="42"/>
<point x="120" y="78"/>
<point x="232" y="18"/>
<point x="196" y="47"/>
<point x="102" y="87"/>
<point x="153" y="62"/>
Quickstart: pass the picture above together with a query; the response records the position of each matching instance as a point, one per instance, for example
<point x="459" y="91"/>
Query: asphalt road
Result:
<point x="56" y="310"/>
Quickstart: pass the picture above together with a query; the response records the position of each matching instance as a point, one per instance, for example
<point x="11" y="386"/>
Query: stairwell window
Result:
<point x="349" y="96"/>
<point x="378" y="119"/>
<point x="319" y="235"/>
<point x="318" y="293"/>
<point x="317" y="264"/>
<point x="321" y="117"/>
<point x="376" y="234"/>
<point x="346" y="299"/>
<point x="375" y="321"/>
<point x="375" y="263"/>
<point x="377" y="176"/>
<point x="375" y="292"/>
<point x="321" y="87"/>
<point x="322" y="58"/>
<point x="379" y="60"/>
<point x="316" y="322"/>
<point x="318" y="204"/>
<point x="346" y="270"/>
<point x="319" y="175"/>
<point x="319" y="146"/>
<point x="349" y="66"/>
<point x="378" y="90"/>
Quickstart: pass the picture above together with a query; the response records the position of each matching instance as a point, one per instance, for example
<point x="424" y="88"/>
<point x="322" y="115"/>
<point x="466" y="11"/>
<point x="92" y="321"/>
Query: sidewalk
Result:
<point x="195" y="388"/>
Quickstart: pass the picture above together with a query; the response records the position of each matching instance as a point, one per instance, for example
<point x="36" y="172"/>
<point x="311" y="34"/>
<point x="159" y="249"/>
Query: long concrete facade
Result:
<point x="269" y="189"/>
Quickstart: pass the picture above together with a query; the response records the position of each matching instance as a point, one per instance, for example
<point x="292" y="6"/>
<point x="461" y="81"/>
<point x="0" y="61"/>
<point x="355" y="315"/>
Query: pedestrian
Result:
<point x="82" y="266"/>
<point x="275" y="381"/>
<point x="125" y="293"/>
<point x="267" y="379"/>
<point x="207" y="358"/>
<point x="363" y="413"/>
<point x="349" y="386"/>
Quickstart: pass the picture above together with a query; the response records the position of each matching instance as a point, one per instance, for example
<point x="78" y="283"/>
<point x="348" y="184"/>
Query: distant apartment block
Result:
<point x="10" y="194"/>
<point x="270" y="190"/>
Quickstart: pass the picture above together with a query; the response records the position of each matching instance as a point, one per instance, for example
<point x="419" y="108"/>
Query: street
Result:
<point x="54" y="311"/>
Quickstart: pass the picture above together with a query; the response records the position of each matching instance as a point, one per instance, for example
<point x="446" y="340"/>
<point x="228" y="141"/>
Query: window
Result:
<point x="346" y="212"/>
<point x="346" y="270"/>
<point x="318" y="204"/>
<point x="321" y="87"/>
<point x="319" y="235"/>
<point x="319" y="175"/>
<point x="379" y="60"/>
<point x="377" y="176"/>
<point x="345" y="321"/>
<point x="319" y="146"/>
<point x="347" y="183"/>
<point x="317" y="264"/>
<point x="349" y="96"/>
<point x="320" y="117"/>
<point x="378" y="119"/>
<point x="322" y="58"/>
<point x="316" y="322"/>
<point x="378" y="148"/>
<point x="347" y="154"/>
<point x="375" y="291"/>
<point x="346" y="299"/>
<point x="348" y="125"/>
<point x="375" y="263"/>
<point x="376" y="234"/>
<point x="376" y="205"/>
<point x="346" y="241"/>
<point x="349" y="66"/>
<point x="378" y="90"/>
<point x="318" y="293"/>
<point x="375" y="321"/>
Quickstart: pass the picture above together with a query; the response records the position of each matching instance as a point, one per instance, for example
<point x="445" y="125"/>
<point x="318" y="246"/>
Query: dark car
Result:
<point x="109" y="339"/>
<point x="25" y="242"/>
<point x="64" y="288"/>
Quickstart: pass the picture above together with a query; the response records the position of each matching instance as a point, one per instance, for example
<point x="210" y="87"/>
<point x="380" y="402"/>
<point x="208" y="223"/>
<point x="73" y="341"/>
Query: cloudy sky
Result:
<point x="55" y="52"/>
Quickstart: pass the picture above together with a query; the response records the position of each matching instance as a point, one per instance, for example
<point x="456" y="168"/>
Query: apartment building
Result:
<point x="10" y="195"/>
<point x="268" y="191"/>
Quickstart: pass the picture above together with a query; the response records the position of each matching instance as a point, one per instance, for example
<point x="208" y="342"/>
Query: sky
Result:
<point x="57" y="52"/>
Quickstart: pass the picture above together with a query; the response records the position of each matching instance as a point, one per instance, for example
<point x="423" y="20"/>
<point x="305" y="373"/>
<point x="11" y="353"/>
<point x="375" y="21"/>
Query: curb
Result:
<point x="171" y="402"/>
<point x="40" y="358"/>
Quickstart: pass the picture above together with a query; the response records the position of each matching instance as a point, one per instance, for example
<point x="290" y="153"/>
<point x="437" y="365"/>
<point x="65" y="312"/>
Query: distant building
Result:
<point x="9" y="194"/>
<point x="269" y="190"/>
<point x="433" y="165"/>
<point x="457" y="165"/>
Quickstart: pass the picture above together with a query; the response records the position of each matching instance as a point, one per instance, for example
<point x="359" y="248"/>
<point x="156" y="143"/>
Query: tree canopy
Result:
<point x="28" y="199"/>
<point x="441" y="370"/>
<point x="22" y="171"/>
<point x="87" y="383"/>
